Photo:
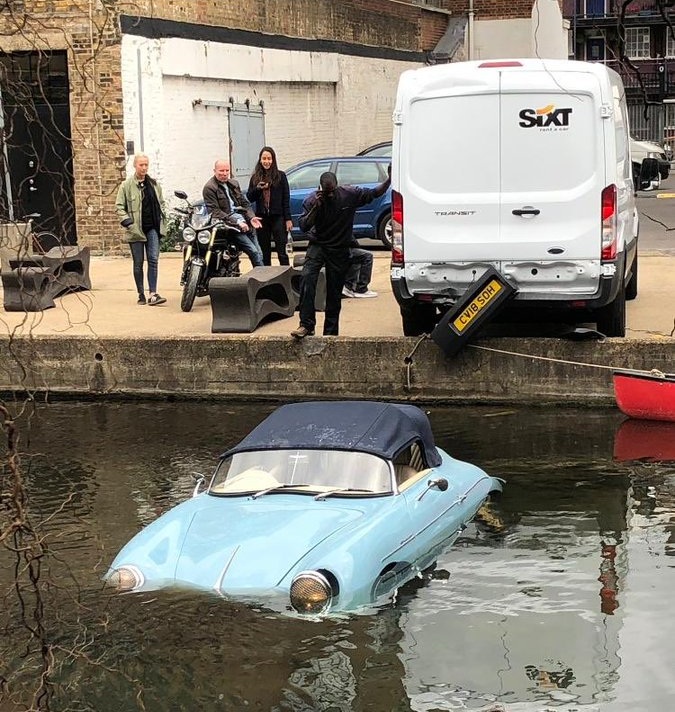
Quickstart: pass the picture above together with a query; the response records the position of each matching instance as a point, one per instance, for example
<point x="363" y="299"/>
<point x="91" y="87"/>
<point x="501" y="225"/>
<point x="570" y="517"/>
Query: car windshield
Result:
<point x="310" y="471"/>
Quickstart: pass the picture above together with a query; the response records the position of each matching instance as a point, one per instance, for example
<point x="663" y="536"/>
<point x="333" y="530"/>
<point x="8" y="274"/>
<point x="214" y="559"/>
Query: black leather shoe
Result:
<point x="301" y="332"/>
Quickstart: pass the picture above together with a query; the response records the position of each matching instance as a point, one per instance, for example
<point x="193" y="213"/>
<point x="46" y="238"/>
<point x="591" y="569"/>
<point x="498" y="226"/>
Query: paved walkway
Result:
<point x="110" y="309"/>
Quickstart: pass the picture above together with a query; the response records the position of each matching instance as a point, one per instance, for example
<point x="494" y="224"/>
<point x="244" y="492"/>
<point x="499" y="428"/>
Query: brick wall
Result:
<point x="493" y="9"/>
<point x="92" y="43"/>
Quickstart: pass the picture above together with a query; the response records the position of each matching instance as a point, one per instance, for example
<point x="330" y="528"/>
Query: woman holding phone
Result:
<point x="268" y="189"/>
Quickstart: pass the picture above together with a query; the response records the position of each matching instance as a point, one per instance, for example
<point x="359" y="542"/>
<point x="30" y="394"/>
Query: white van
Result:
<point x="522" y="165"/>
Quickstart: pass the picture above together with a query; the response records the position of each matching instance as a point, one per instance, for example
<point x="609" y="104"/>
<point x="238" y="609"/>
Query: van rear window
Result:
<point x="491" y="143"/>
<point x="453" y="144"/>
<point x="550" y="141"/>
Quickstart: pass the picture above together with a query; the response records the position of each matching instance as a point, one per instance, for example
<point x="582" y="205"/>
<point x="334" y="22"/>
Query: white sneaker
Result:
<point x="364" y="295"/>
<point x="346" y="292"/>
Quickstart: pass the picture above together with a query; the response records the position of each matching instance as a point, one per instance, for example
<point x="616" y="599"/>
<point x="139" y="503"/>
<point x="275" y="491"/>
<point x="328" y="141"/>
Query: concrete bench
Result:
<point x="239" y="304"/>
<point x="320" y="295"/>
<point x="31" y="282"/>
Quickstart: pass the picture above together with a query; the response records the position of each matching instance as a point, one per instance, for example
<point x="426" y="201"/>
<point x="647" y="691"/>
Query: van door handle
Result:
<point x="527" y="210"/>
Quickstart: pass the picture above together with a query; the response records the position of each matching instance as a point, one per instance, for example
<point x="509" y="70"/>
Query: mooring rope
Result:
<point x="409" y="361"/>
<point x="652" y="372"/>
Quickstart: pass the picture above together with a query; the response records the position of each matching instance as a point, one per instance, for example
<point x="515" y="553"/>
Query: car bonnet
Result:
<point x="252" y="545"/>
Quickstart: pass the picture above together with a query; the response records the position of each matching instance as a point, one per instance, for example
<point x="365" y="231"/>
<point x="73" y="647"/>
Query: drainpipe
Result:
<point x="471" y="15"/>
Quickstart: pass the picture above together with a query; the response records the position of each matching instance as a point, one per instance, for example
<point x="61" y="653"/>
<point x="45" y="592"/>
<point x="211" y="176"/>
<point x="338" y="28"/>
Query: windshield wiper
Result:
<point x="275" y="488"/>
<point x="323" y="495"/>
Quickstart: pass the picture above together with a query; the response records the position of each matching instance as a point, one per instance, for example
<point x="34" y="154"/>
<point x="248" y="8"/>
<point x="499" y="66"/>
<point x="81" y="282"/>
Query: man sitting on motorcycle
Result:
<point x="226" y="202"/>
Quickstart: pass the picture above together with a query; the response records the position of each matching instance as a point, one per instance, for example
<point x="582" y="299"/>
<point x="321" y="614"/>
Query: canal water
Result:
<point x="560" y="599"/>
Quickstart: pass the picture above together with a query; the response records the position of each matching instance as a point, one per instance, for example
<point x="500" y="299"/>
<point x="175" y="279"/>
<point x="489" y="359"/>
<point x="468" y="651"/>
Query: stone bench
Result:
<point x="31" y="282"/>
<point x="320" y="295"/>
<point x="239" y="304"/>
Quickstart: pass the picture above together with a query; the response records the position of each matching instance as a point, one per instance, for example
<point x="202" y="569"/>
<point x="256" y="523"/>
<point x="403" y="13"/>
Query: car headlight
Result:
<point x="310" y="592"/>
<point x="653" y="154"/>
<point x="126" y="578"/>
<point x="189" y="234"/>
<point x="204" y="236"/>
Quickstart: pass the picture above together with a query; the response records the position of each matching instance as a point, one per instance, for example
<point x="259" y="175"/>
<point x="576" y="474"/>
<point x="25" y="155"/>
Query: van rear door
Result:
<point x="449" y="168"/>
<point x="552" y="173"/>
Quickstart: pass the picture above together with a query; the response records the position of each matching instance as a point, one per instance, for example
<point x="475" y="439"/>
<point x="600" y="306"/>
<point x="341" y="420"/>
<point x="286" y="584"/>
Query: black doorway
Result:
<point x="37" y="151"/>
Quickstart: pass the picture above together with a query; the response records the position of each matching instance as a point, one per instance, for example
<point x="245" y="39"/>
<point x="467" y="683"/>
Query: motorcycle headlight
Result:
<point x="126" y="578"/>
<point x="189" y="234"/>
<point x="310" y="592"/>
<point x="204" y="236"/>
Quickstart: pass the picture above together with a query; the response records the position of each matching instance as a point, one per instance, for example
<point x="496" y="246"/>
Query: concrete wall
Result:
<point x="275" y="368"/>
<point x="176" y="93"/>
<point x="542" y="34"/>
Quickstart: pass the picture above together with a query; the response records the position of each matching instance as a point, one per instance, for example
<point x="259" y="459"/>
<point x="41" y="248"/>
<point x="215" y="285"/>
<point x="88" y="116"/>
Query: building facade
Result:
<point x="84" y="88"/>
<point x="637" y="40"/>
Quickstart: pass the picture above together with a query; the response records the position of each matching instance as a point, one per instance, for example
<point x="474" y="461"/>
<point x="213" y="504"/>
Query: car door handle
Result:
<point x="527" y="210"/>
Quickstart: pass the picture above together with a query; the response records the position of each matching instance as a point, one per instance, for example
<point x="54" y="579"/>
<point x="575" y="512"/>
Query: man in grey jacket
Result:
<point x="226" y="201"/>
<point x="140" y="206"/>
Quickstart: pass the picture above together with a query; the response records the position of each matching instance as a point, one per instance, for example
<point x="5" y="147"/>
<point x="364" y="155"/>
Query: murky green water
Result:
<point x="561" y="603"/>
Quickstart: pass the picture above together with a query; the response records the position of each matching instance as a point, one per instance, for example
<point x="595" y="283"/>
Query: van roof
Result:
<point x="414" y="80"/>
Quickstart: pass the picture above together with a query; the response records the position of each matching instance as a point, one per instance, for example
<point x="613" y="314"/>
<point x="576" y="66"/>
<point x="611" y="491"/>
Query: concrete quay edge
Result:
<point x="275" y="368"/>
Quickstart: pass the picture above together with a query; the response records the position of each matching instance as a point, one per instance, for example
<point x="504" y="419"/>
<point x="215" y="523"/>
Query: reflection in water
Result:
<point x="540" y="603"/>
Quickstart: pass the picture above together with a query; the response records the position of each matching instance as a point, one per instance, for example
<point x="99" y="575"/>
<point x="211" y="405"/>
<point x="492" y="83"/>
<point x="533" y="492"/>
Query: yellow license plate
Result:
<point x="476" y="306"/>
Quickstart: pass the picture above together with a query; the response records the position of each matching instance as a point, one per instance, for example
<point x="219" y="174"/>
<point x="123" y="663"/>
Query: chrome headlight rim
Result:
<point x="116" y="580"/>
<point x="189" y="235"/>
<point x="299" y="600"/>
<point x="203" y="237"/>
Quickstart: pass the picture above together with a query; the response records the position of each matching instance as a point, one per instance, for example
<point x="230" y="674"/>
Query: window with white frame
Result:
<point x="637" y="42"/>
<point x="670" y="43"/>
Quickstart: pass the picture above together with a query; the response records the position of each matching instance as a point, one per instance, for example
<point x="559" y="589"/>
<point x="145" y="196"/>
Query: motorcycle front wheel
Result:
<point x="190" y="287"/>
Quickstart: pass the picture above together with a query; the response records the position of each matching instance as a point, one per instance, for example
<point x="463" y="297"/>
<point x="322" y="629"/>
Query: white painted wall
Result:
<point x="315" y="104"/>
<point x="543" y="35"/>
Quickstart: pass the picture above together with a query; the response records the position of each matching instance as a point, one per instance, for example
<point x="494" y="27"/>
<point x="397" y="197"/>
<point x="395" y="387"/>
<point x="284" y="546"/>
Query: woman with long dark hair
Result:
<point x="268" y="189"/>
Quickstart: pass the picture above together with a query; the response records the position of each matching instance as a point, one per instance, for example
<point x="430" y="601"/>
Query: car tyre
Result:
<point x="384" y="230"/>
<point x="632" y="286"/>
<point x="417" y="319"/>
<point x="665" y="172"/>
<point x="611" y="319"/>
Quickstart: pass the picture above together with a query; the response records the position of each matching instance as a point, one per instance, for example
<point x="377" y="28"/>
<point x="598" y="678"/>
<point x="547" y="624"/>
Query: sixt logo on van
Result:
<point x="546" y="117"/>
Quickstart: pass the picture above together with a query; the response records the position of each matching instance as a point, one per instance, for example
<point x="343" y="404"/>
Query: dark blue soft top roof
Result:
<point x="382" y="429"/>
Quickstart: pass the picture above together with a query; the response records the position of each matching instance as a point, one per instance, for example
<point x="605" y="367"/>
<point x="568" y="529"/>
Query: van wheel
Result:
<point x="632" y="286"/>
<point x="418" y="318"/>
<point x="384" y="230"/>
<point x="611" y="320"/>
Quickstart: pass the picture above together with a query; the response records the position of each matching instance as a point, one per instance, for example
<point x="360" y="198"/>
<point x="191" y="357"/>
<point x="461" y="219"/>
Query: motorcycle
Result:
<point x="208" y="250"/>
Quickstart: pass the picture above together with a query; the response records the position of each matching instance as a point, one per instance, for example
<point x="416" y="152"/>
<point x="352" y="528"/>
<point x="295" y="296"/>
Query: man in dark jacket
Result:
<point x="328" y="218"/>
<point x="225" y="201"/>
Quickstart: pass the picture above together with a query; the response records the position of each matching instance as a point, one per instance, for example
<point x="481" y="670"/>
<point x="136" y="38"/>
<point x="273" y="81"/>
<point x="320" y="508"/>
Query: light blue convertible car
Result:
<point x="324" y="506"/>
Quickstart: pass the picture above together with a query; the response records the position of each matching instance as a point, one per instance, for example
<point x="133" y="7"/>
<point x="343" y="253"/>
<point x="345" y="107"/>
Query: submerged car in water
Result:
<point x="324" y="506"/>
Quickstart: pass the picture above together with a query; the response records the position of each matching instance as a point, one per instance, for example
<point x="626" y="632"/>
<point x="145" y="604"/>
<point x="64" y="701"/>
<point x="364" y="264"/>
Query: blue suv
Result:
<point x="372" y="220"/>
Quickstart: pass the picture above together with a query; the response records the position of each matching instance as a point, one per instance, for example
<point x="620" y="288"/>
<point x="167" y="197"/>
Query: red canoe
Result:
<point x="649" y="396"/>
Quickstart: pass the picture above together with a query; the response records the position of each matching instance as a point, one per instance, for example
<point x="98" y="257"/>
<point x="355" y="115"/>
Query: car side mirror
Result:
<point x="440" y="484"/>
<point x="649" y="173"/>
<point x="199" y="481"/>
<point x="180" y="194"/>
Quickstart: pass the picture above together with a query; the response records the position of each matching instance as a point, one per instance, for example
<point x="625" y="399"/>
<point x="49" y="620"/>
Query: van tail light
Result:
<point x="500" y="63"/>
<point x="396" y="228"/>
<point x="609" y="235"/>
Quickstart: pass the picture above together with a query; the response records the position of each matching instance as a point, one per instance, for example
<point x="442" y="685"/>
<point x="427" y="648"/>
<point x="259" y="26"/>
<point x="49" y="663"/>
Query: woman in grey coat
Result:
<point x="140" y="206"/>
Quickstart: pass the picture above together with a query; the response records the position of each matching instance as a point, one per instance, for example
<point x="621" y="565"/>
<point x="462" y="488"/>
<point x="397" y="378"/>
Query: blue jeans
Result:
<point x="248" y="243"/>
<point x="139" y="250"/>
